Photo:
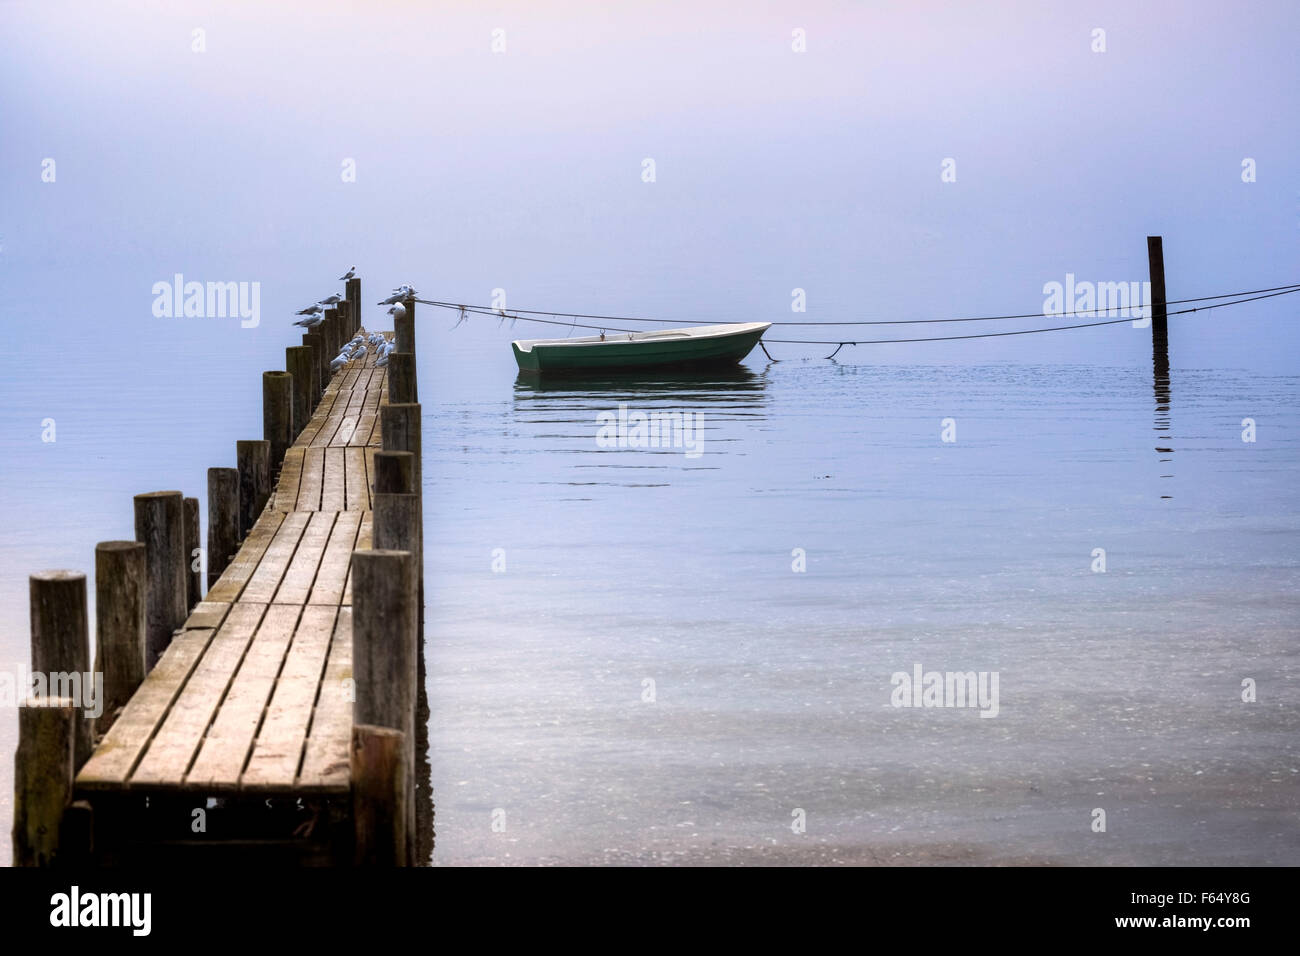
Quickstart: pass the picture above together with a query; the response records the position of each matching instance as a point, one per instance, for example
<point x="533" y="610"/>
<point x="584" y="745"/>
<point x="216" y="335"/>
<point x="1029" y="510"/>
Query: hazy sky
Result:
<point x="775" y="170"/>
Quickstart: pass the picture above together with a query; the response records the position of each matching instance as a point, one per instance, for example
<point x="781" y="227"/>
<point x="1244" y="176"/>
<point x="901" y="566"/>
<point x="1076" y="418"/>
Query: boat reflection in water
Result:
<point x="668" y="416"/>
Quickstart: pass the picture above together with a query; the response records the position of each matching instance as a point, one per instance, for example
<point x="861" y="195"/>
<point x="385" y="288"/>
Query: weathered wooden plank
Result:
<point x="278" y="750"/>
<point x="313" y="474"/>
<point x="262" y="585"/>
<point x="358" y="487"/>
<point x="365" y="539"/>
<point x="334" y="485"/>
<point x="325" y="761"/>
<point x="331" y="424"/>
<point x="118" y="752"/>
<point x="229" y="740"/>
<point x="286" y="489"/>
<point x="207" y="614"/>
<point x="318" y="418"/>
<point x="231" y="584"/>
<point x="298" y="579"/>
<point x="332" y="576"/>
<point x="174" y="746"/>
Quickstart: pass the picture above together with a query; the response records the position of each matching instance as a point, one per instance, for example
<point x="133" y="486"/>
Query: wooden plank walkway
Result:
<point x="254" y="693"/>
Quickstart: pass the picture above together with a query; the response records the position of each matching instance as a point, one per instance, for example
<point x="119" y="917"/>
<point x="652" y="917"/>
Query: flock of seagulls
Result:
<point x="357" y="349"/>
<point x="401" y="293"/>
<point x="361" y="344"/>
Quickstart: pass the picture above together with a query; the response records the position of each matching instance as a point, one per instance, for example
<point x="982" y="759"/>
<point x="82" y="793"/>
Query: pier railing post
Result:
<point x="332" y="332"/>
<point x="404" y="326"/>
<point x="159" y="520"/>
<point x="399" y="426"/>
<point x="345" y="321"/>
<point x="61" y="647"/>
<point x="298" y="360"/>
<point x="352" y="291"/>
<point x="44" y="767"/>
<point x="193" y="562"/>
<point x="314" y="339"/>
<point x="223" y="520"/>
<point x="277" y="414"/>
<point x="401" y="378"/>
<point x="253" y="456"/>
<point x="380" y="796"/>
<point x="119" y="623"/>
<point x="394" y="472"/>
<point x="1159" y="312"/>
<point x="384" y="648"/>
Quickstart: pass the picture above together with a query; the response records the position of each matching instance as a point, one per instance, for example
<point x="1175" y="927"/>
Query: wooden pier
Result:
<point x="278" y="715"/>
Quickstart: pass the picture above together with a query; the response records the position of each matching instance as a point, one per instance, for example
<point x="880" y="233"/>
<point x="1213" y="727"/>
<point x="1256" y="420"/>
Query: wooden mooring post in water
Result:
<point x="272" y="718"/>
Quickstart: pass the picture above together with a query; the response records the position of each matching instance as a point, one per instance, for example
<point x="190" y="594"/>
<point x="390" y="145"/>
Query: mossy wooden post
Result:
<point x="119" y="623"/>
<point x="193" y="555"/>
<point x="253" y="456"/>
<point x="314" y="339"/>
<point x="44" y="767"/>
<point x="1159" y="311"/>
<point x="298" y="360"/>
<point x="223" y="520"/>
<point x="384" y="622"/>
<point x="61" y="647"/>
<point x="380" y="796"/>
<point x="159" y="520"/>
<point x="277" y="414"/>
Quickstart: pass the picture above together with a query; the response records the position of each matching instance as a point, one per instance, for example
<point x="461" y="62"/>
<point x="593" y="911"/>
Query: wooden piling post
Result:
<point x="61" y="647"/>
<point x="312" y="344"/>
<point x="397" y="524"/>
<point x="399" y="426"/>
<point x="401" y="378"/>
<point x="224" y="486"/>
<point x="277" y="414"/>
<point x="353" y="293"/>
<point x="159" y="520"/>
<point x="120" y="574"/>
<point x="380" y="796"/>
<point x="253" y="456"/>
<point x="345" y="320"/>
<point x="394" y="472"/>
<point x="44" y="767"/>
<point x="384" y="649"/>
<point x="193" y="555"/>
<point x="404" y="326"/>
<point x="298" y="360"/>
<point x="333" y="334"/>
<point x="383" y="638"/>
<point x="1159" y="313"/>
<point x="314" y="339"/>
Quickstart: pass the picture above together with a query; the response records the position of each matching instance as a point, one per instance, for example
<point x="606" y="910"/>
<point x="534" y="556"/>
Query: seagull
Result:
<point x="332" y="300"/>
<point x="339" y="362"/>
<point x="348" y="275"/>
<point x="311" y="321"/>
<point x="310" y="310"/>
<point x="359" y="353"/>
<point x="395" y="298"/>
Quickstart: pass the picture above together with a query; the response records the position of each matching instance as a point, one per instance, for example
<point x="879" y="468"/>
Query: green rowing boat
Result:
<point x="675" y="348"/>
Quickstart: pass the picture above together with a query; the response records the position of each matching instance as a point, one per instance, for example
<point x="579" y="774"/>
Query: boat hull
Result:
<point x="617" y="355"/>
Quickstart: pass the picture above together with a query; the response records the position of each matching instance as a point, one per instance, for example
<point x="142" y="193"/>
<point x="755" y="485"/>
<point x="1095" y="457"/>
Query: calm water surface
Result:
<point x="624" y="666"/>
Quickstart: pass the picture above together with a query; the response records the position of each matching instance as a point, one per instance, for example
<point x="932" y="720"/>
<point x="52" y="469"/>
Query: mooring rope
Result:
<point x="528" y="315"/>
<point x="521" y="313"/>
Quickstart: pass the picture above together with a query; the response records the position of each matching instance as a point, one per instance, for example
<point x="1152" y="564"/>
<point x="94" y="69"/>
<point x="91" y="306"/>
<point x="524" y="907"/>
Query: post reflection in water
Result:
<point x="1163" y="418"/>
